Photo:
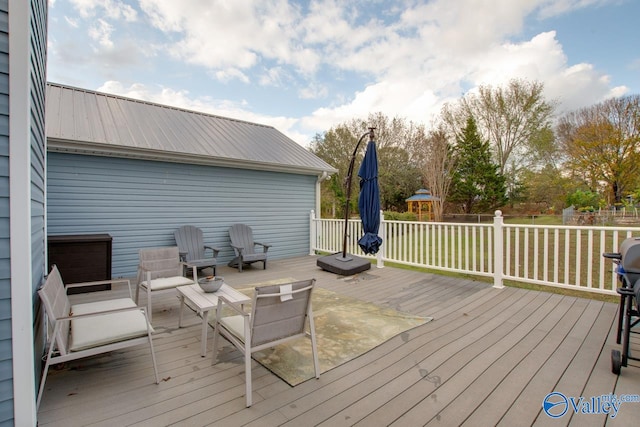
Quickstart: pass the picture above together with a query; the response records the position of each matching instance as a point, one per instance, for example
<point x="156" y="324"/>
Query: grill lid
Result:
<point x="630" y="253"/>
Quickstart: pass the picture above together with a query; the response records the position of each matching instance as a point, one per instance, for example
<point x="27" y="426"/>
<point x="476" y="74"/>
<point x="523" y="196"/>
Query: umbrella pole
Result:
<point x="348" y="184"/>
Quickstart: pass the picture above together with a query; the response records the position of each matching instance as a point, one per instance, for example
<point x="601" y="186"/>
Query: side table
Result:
<point x="204" y="302"/>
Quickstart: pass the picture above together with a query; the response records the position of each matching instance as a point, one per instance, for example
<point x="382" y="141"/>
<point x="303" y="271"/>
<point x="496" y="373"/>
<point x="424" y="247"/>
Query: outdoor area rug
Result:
<point x="345" y="329"/>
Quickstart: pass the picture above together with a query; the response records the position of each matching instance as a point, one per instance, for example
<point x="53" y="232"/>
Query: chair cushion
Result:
<point x="235" y="325"/>
<point x="167" y="282"/>
<point x="101" y="330"/>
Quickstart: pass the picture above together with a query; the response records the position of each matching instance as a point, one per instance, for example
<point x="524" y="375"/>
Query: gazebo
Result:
<point x="421" y="204"/>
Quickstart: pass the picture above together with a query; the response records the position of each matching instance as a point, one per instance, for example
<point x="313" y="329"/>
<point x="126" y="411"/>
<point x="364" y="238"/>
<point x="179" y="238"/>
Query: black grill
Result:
<point x="628" y="261"/>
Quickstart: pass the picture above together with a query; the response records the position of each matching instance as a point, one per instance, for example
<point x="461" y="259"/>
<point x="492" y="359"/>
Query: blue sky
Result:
<point x="306" y="66"/>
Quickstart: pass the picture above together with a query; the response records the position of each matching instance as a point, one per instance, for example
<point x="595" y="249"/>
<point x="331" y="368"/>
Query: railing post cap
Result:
<point x="498" y="213"/>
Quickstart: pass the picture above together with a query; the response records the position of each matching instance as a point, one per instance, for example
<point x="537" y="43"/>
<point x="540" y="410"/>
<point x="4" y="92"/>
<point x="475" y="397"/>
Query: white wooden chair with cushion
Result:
<point x="193" y="251"/>
<point x="160" y="269"/>
<point x="279" y="313"/>
<point x="244" y="246"/>
<point x="87" y="329"/>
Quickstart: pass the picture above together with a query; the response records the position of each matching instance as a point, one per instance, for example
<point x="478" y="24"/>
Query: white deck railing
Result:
<point x="561" y="256"/>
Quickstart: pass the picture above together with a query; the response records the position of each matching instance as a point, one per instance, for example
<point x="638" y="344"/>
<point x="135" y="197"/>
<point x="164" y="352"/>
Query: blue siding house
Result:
<point x="137" y="171"/>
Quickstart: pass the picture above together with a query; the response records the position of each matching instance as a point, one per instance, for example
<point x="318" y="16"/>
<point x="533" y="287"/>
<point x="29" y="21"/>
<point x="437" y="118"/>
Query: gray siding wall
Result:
<point x="141" y="203"/>
<point x="6" y="375"/>
<point x="38" y="142"/>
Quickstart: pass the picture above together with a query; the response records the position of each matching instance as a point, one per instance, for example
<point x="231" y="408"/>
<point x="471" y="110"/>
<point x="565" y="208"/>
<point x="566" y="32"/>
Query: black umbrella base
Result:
<point x="347" y="266"/>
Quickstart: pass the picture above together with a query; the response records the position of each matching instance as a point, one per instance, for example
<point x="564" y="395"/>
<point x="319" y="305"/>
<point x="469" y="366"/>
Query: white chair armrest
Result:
<point x="234" y="306"/>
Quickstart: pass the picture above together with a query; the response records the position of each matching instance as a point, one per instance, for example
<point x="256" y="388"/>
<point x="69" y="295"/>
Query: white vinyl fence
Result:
<point x="561" y="256"/>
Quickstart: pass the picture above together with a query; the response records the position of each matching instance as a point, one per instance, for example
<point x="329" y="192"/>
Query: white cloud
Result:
<point x="535" y="59"/>
<point x="101" y="32"/>
<point x="551" y="8"/>
<point x="579" y="86"/>
<point x="112" y="9"/>
<point x="72" y="22"/>
<point x="272" y="76"/>
<point x="229" y="74"/>
<point x="411" y="99"/>
<point x="313" y="91"/>
<point x="406" y="58"/>
<point x="456" y="47"/>
<point x="239" y="34"/>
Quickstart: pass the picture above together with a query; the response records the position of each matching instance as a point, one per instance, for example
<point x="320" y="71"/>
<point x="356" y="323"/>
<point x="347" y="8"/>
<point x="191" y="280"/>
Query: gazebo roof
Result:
<point x="422" y="195"/>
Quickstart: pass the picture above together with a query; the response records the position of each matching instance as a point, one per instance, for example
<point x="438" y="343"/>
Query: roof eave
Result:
<point x="94" y="149"/>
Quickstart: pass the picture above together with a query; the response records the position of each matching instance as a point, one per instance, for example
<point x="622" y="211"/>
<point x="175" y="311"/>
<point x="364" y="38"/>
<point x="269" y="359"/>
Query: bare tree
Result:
<point x="516" y="120"/>
<point x="602" y="144"/>
<point x="398" y="174"/>
<point x="437" y="161"/>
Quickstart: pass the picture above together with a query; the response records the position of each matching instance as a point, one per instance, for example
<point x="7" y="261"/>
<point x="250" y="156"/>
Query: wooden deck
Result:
<point x="489" y="358"/>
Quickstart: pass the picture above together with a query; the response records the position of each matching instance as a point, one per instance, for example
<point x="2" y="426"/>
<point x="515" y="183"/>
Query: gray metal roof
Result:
<point x="84" y="121"/>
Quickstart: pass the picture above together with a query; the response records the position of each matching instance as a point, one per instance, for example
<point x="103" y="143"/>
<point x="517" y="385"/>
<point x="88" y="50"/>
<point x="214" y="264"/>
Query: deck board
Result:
<point x="535" y="365"/>
<point x="489" y="357"/>
<point x="434" y="368"/>
<point x="570" y="362"/>
<point x="486" y="344"/>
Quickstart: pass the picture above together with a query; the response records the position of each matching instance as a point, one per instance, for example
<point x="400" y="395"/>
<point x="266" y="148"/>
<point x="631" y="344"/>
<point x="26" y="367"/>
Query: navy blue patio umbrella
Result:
<point x="369" y="201"/>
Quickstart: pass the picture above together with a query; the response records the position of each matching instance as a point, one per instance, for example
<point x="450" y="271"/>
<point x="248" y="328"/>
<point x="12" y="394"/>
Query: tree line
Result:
<point x="498" y="147"/>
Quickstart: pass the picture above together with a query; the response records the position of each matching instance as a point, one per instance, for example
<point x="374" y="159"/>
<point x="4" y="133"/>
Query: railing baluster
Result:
<point x="517" y="257"/>
<point x="556" y="254"/>
<point x="603" y="248"/>
<point x="577" y="256"/>
<point x="536" y="254"/>
<point x="525" y="252"/>
<point x="567" y="246"/>
<point x="545" y="254"/>
<point x="590" y="259"/>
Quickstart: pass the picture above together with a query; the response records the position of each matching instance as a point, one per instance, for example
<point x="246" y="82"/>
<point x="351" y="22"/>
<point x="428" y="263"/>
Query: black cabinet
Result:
<point x="81" y="258"/>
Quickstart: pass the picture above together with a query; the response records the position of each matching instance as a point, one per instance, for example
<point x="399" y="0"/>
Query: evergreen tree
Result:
<point x="477" y="185"/>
